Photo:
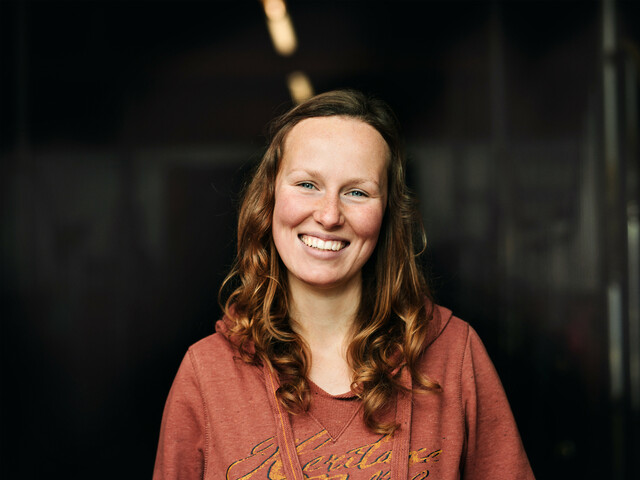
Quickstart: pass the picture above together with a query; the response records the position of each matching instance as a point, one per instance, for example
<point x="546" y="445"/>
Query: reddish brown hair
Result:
<point x="392" y="321"/>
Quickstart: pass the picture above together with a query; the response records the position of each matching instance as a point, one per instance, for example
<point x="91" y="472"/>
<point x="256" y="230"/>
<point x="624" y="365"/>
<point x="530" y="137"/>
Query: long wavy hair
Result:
<point x="392" y="322"/>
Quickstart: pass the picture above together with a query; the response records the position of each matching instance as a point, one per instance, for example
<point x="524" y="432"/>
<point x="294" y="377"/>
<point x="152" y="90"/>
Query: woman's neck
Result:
<point x="323" y="316"/>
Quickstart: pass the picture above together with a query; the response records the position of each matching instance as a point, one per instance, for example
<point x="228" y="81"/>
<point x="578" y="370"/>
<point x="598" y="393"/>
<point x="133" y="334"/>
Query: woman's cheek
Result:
<point x="369" y="222"/>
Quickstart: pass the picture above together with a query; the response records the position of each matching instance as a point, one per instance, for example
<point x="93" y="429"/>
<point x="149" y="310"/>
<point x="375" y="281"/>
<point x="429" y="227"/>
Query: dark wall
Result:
<point x="127" y="129"/>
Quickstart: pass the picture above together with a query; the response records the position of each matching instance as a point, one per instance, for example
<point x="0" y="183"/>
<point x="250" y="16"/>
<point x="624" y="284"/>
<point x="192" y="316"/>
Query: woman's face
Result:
<point x="330" y="197"/>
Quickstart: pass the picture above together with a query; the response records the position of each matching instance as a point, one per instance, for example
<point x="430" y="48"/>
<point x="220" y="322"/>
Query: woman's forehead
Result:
<point x="322" y="132"/>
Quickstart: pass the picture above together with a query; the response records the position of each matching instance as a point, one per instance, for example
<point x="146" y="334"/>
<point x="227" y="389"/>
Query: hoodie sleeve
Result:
<point x="181" y="447"/>
<point x="493" y="445"/>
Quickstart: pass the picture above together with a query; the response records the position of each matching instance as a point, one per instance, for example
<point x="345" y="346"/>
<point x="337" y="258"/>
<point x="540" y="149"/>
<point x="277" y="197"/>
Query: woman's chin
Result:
<point x="326" y="282"/>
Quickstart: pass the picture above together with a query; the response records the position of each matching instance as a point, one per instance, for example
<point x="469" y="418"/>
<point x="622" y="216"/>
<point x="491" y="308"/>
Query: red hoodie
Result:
<point x="222" y="420"/>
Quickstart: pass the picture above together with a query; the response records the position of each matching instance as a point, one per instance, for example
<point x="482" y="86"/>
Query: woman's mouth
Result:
<point x="315" y="242"/>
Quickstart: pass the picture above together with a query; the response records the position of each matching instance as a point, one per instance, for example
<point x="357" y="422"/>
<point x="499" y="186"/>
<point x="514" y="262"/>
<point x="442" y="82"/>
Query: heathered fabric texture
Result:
<point x="222" y="420"/>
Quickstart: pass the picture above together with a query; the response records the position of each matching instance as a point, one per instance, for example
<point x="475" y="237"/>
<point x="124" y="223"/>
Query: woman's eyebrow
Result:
<point x="360" y="181"/>
<point x="304" y="171"/>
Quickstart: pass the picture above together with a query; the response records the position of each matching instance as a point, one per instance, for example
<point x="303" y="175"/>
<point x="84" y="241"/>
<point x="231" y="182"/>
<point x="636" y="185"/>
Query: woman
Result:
<point x="332" y="361"/>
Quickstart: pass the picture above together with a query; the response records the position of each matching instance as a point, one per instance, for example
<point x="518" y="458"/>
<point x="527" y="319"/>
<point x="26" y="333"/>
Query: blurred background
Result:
<point x="127" y="129"/>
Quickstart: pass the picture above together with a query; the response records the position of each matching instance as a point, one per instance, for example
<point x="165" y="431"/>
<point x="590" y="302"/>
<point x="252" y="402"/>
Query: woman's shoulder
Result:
<point x="214" y="350"/>
<point x="455" y="348"/>
<point x="216" y="343"/>
<point x="446" y="327"/>
<point x="450" y="341"/>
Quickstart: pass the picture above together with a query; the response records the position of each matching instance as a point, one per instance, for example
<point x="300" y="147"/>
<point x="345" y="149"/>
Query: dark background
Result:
<point x="127" y="129"/>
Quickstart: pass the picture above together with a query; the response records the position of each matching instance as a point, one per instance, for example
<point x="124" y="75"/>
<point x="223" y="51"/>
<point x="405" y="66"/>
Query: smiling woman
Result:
<point x="332" y="360"/>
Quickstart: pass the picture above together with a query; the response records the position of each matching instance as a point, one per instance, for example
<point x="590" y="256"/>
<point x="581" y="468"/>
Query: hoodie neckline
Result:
<point x="286" y="440"/>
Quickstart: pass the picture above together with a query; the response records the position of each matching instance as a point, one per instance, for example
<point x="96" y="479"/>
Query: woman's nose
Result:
<point x="328" y="212"/>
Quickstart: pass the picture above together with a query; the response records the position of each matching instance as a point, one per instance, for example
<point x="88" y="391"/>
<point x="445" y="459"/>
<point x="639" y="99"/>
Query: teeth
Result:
<point x="315" y="242"/>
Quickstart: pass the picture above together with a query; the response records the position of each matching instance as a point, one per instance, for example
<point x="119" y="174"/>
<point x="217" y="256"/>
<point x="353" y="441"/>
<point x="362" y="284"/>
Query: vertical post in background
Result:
<point x="615" y="238"/>
<point x="632" y="178"/>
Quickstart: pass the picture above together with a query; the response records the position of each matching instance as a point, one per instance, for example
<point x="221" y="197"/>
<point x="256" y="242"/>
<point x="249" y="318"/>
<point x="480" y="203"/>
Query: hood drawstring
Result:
<point x="402" y="436"/>
<point x="287" y="444"/>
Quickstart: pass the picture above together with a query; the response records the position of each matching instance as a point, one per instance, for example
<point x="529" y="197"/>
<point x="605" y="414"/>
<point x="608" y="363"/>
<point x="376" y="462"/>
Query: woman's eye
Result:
<point x="306" y="185"/>
<point x="357" y="193"/>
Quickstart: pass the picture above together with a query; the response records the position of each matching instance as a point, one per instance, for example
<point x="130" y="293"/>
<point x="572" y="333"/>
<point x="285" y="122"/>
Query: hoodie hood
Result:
<point x="223" y="327"/>
<point x="439" y="321"/>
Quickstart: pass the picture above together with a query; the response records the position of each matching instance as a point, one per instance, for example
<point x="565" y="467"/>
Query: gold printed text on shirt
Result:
<point x="264" y="457"/>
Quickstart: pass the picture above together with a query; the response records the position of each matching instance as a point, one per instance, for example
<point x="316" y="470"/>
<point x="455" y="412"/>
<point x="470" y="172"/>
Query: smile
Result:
<point x="315" y="242"/>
